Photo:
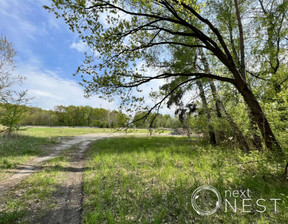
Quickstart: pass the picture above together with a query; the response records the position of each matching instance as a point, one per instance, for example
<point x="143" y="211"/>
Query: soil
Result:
<point x="69" y="196"/>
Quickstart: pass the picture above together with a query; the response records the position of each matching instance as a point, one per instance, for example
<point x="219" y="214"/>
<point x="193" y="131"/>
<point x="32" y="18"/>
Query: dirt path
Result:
<point x="69" y="196"/>
<point x="23" y="171"/>
<point x="27" y="169"/>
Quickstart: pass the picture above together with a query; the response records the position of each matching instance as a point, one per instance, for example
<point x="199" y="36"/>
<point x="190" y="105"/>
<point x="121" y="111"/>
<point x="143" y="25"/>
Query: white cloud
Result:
<point x="153" y="85"/>
<point x="79" y="46"/>
<point x="82" y="47"/>
<point x="103" y="17"/>
<point x="48" y="89"/>
<point x="22" y="25"/>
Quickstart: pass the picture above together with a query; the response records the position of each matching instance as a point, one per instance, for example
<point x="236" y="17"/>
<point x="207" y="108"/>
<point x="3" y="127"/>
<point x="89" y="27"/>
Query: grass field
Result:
<point x="32" y="198"/>
<point x="69" y="131"/>
<point x="136" y="180"/>
<point x="35" y="141"/>
<point x="146" y="180"/>
<point x="19" y="150"/>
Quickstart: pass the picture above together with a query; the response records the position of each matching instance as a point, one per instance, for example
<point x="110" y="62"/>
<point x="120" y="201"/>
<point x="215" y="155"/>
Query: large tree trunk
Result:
<point x="207" y="112"/>
<point x="256" y="111"/>
<point x="258" y="116"/>
<point x="241" y="40"/>
<point x="256" y="138"/>
<point x="238" y="133"/>
<point x="220" y="108"/>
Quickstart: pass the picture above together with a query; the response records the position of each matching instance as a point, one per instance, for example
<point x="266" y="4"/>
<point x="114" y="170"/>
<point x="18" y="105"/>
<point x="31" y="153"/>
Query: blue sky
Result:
<point x="48" y="53"/>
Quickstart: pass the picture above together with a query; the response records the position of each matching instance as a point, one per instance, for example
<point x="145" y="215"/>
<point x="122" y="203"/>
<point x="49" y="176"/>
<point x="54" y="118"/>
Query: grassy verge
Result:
<point x="150" y="180"/>
<point x="19" y="149"/>
<point x="35" y="141"/>
<point x="70" y="131"/>
<point x="32" y="198"/>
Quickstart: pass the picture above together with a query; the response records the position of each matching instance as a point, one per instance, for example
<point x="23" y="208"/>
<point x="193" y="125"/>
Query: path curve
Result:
<point x="24" y="170"/>
<point x="69" y="202"/>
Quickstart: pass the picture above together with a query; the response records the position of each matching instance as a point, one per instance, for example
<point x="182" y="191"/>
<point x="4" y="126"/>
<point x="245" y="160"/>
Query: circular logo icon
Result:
<point x="206" y="200"/>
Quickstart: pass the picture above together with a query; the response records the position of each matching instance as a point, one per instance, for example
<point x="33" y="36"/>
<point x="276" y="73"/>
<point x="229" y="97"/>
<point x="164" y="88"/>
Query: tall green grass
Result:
<point x="35" y="141"/>
<point x="150" y="180"/>
<point x="34" y="196"/>
<point x="19" y="149"/>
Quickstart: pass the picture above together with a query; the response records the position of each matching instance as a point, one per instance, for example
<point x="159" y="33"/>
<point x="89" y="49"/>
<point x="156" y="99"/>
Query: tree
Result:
<point x="184" y="114"/>
<point x="7" y="65"/>
<point x="11" y="101"/>
<point x="13" y="110"/>
<point x="140" y="30"/>
<point x="265" y="54"/>
<point x="220" y="108"/>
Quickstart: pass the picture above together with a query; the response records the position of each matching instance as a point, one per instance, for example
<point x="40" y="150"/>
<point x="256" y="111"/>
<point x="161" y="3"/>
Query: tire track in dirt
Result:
<point x="25" y="170"/>
<point x="70" y="195"/>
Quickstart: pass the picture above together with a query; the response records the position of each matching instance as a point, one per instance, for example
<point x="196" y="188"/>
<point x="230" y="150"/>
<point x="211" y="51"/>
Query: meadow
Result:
<point x="73" y="131"/>
<point x="130" y="179"/>
<point x="29" y="142"/>
<point x="151" y="180"/>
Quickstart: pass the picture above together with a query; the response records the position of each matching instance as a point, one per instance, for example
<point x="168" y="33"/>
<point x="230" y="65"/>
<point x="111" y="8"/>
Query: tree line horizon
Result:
<point x="88" y="116"/>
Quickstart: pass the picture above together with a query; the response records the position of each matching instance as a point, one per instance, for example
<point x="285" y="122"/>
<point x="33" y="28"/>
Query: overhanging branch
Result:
<point x="196" y="76"/>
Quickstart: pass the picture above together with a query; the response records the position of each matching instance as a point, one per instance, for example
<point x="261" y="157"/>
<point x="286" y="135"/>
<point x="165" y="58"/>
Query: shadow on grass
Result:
<point x="23" y="145"/>
<point x="14" y="150"/>
<point x="123" y="145"/>
<point x="31" y="169"/>
<point x="58" y="207"/>
<point x="12" y="216"/>
<point x="120" y="203"/>
<point x="142" y="202"/>
<point x="151" y="180"/>
<point x="116" y="200"/>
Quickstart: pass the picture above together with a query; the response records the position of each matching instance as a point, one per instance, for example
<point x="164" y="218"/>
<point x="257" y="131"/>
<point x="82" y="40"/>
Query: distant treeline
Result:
<point x="92" y="117"/>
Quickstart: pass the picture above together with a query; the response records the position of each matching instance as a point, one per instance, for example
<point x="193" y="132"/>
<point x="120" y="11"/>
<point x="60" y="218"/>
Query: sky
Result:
<point x="48" y="54"/>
